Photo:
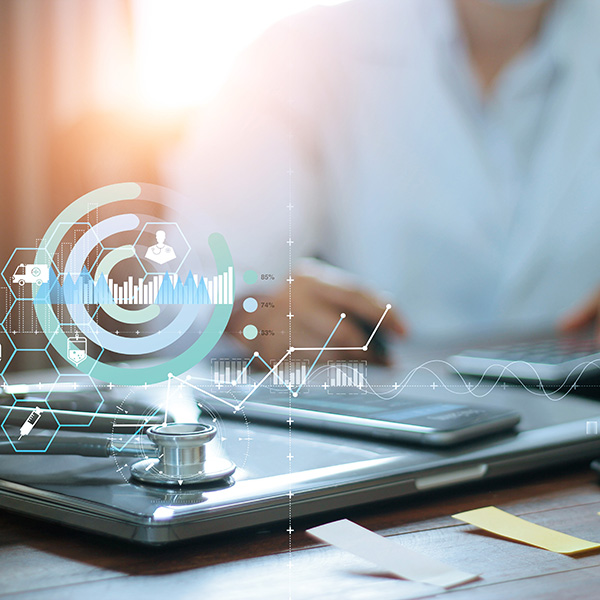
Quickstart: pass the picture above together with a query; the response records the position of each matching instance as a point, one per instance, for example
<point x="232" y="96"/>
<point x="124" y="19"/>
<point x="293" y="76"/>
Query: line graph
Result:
<point x="272" y="371"/>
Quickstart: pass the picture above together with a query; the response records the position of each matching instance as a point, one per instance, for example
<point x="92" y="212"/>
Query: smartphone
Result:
<point x="398" y="419"/>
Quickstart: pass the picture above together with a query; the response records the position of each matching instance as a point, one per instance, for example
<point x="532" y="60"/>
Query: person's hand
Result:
<point x="320" y="294"/>
<point x="584" y="315"/>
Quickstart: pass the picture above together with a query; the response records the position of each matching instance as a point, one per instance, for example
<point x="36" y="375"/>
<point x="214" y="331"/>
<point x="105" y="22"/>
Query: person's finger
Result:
<point x="348" y="342"/>
<point x="321" y="313"/>
<point x="361" y="305"/>
<point x="348" y="334"/>
<point x="581" y="316"/>
<point x="344" y="289"/>
<point x="317" y="322"/>
<point x="394" y="323"/>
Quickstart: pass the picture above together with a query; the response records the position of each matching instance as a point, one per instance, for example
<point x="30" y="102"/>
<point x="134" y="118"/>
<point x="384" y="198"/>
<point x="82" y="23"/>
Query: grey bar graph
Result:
<point x="347" y="373"/>
<point x="230" y="371"/>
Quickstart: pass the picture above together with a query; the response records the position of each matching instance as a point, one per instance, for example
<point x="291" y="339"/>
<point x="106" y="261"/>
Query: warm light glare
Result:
<point x="185" y="48"/>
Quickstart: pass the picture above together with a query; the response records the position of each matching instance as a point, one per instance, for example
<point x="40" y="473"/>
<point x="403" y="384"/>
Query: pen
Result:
<point x="378" y="345"/>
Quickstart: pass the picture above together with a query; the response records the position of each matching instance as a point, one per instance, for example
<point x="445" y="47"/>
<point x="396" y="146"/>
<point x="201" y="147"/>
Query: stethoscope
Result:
<point x="182" y="458"/>
<point x="177" y="451"/>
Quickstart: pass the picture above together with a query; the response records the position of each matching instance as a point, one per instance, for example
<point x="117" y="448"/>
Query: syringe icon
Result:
<point x="30" y="422"/>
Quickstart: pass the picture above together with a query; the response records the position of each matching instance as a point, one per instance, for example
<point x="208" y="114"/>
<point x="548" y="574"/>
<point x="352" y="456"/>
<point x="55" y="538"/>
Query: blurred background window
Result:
<point x="94" y="92"/>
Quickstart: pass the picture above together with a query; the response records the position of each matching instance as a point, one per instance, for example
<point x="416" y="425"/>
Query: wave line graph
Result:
<point x="479" y="388"/>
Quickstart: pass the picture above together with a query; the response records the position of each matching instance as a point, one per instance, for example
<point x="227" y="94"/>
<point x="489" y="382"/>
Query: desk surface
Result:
<point x="39" y="560"/>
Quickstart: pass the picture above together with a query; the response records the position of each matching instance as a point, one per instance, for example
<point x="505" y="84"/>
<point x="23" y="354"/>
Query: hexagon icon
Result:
<point x="79" y="352"/>
<point x="162" y="247"/>
<point x="25" y="273"/>
<point x="21" y="324"/>
<point x="30" y="425"/>
<point x="30" y="367"/>
<point x="76" y="393"/>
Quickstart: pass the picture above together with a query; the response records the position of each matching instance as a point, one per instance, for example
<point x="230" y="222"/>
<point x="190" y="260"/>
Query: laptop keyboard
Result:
<point x="550" y="352"/>
<point x="557" y="361"/>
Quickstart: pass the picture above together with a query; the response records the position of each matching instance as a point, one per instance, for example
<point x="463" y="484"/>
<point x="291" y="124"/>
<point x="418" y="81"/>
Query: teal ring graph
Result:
<point x="130" y="375"/>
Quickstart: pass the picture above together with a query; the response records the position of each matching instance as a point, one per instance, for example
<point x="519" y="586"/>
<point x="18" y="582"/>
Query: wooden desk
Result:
<point x="38" y="560"/>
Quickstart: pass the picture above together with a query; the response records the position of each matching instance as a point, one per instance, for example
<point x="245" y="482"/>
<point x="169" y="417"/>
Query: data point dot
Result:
<point x="250" y="332"/>
<point x="250" y="277"/>
<point x="250" y="304"/>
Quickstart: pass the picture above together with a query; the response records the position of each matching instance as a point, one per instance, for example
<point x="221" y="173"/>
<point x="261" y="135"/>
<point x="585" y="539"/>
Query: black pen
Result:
<point x="378" y="344"/>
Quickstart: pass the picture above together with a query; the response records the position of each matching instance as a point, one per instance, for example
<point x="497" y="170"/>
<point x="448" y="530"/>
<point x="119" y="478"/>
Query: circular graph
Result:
<point x="124" y="282"/>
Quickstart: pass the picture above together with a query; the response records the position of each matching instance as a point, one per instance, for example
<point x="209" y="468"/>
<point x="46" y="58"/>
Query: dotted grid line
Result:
<point x="129" y="333"/>
<point x="6" y="307"/>
<point x="290" y="281"/>
<point x="34" y="318"/>
<point x="466" y="389"/>
<point x="61" y="314"/>
<point x="21" y="313"/>
<point x="464" y="386"/>
<point x="93" y="209"/>
<point x="38" y="242"/>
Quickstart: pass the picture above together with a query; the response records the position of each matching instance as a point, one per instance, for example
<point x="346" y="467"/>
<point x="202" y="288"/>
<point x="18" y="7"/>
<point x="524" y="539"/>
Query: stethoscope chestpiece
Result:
<point x="181" y="457"/>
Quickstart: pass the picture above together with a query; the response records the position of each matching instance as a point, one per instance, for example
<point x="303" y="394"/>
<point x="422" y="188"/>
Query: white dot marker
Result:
<point x="388" y="306"/>
<point x="365" y="348"/>
<point x="256" y="354"/>
<point x="295" y="394"/>
<point x="343" y="316"/>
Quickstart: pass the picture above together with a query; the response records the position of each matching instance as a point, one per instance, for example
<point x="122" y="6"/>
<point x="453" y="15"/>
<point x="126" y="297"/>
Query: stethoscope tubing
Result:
<point x="76" y="444"/>
<point x="93" y="422"/>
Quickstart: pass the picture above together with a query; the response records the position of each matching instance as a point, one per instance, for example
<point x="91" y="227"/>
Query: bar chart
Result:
<point x="171" y="289"/>
<point x="230" y="371"/>
<point x="347" y="373"/>
<point x="291" y="372"/>
<point x="167" y="288"/>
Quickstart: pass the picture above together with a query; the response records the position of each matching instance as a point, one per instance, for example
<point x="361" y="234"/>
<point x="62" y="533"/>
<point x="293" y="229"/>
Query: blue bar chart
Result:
<point x="167" y="288"/>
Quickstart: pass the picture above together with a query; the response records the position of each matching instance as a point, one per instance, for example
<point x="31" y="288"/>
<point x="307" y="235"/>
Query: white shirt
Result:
<point x="471" y="213"/>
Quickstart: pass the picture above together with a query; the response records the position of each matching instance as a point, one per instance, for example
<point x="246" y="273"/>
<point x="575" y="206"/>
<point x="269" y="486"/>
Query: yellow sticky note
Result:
<point x="501" y="523"/>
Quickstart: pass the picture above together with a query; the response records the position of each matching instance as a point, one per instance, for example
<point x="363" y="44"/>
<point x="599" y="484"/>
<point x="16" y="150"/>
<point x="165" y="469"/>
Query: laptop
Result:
<point x="316" y="471"/>
<point x="550" y="360"/>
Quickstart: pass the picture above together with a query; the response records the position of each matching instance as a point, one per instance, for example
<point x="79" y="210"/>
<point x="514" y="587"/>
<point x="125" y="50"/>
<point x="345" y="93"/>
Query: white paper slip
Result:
<point x="389" y="555"/>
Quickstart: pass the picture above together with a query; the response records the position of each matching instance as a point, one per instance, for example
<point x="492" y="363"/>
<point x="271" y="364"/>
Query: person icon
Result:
<point x="160" y="253"/>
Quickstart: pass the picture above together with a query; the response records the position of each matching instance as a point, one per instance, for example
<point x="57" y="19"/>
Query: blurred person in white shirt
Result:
<point x="441" y="155"/>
